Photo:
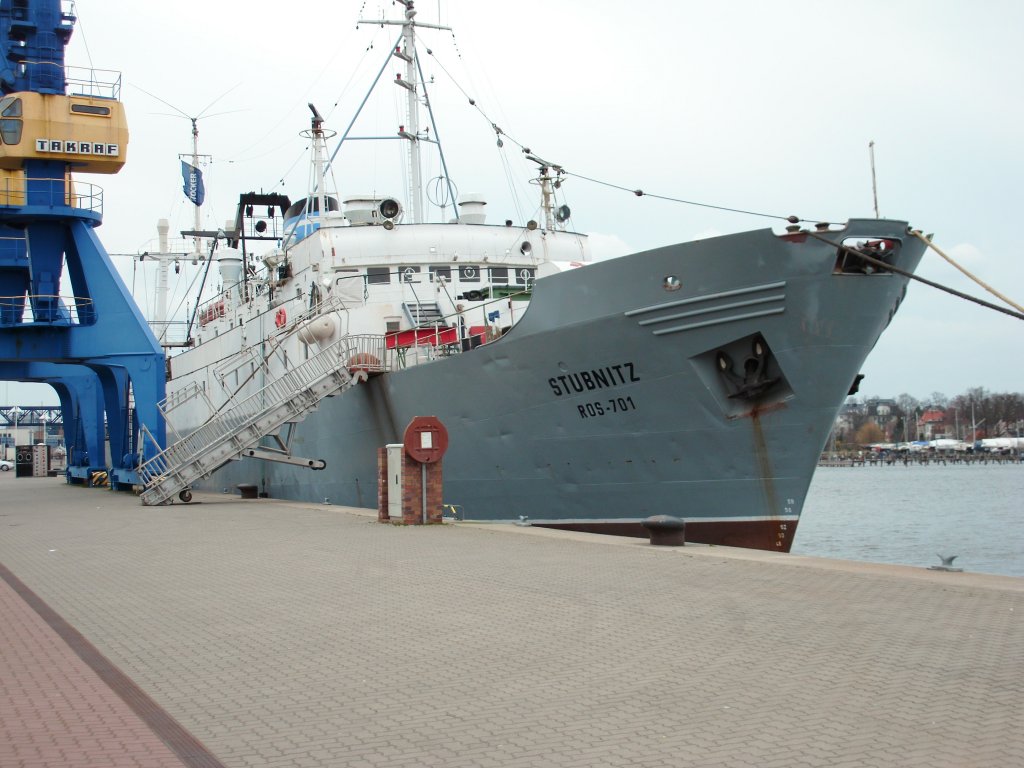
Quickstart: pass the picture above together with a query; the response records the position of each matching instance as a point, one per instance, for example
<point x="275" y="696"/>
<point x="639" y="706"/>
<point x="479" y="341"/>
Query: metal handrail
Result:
<point x="81" y="195"/>
<point x="49" y="306"/>
<point x="292" y="385"/>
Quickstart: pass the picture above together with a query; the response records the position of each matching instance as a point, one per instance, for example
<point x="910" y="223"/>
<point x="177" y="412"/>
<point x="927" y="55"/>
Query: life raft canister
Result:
<point x="280" y="318"/>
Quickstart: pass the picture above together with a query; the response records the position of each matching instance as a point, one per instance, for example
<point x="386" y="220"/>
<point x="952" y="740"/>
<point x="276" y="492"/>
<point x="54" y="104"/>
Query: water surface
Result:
<point x="908" y="514"/>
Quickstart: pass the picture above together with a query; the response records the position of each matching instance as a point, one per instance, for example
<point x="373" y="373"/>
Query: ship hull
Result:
<point x="698" y="380"/>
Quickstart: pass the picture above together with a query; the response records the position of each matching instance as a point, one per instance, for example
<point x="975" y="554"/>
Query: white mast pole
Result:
<point x="874" y="182"/>
<point x="413" y="120"/>
<point x="319" y="150"/>
<point x="197" y="244"/>
<point x="410" y="131"/>
<point x="162" y="227"/>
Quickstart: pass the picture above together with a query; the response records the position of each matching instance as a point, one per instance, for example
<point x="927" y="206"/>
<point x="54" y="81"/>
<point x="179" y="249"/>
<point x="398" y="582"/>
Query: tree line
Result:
<point x="973" y="415"/>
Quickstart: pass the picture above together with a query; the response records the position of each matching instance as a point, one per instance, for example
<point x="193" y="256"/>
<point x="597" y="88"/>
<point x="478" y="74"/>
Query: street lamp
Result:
<point x="17" y="412"/>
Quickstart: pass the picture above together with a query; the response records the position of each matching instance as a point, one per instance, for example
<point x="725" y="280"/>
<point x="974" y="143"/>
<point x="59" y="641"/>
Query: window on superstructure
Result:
<point x="469" y="274"/>
<point x="499" y="275"/>
<point x="378" y="275"/>
<point x="435" y="272"/>
<point x="409" y="274"/>
<point x="10" y="125"/>
<point x="89" y="109"/>
<point x="10" y="130"/>
<point x="525" y="276"/>
<point x="10" y="107"/>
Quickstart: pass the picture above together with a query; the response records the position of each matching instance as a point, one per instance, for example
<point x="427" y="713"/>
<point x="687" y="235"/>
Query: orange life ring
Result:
<point x="280" y="318"/>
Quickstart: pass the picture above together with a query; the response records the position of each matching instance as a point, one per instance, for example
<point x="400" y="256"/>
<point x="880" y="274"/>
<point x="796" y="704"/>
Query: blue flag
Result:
<point x="193" y="183"/>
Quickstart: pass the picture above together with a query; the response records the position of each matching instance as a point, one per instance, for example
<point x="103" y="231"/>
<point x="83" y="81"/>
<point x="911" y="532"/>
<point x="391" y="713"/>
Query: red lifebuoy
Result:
<point x="280" y="318"/>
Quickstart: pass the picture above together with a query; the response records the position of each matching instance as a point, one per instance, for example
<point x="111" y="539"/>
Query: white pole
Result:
<point x="162" y="227"/>
<point x="413" y="126"/>
<point x="874" y="185"/>
<point x="197" y="220"/>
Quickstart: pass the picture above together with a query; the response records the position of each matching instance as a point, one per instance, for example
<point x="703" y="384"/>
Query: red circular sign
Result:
<point x="426" y="439"/>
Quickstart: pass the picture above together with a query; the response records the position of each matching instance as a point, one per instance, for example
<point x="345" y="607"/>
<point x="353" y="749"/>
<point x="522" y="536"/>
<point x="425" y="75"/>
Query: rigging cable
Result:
<point x="638" y="192"/>
<point x="928" y="241"/>
<point x="641" y="193"/>
<point x="890" y="268"/>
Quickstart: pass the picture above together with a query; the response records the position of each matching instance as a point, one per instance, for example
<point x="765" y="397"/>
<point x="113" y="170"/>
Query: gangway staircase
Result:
<point x="238" y="429"/>
<point x="424" y="314"/>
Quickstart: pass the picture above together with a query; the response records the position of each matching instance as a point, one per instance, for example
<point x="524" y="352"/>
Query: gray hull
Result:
<point x="614" y="398"/>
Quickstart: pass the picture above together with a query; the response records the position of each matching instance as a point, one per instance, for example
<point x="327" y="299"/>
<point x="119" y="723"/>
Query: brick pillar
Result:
<point x="382" y="485"/>
<point x="412" y="491"/>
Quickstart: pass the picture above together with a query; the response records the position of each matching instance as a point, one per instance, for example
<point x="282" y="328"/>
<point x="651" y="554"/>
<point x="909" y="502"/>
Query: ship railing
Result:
<point x="367" y="352"/>
<point x="323" y="307"/>
<point x="170" y="333"/>
<point x="188" y="394"/>
<point x="249" y="357"/>
<point x="428" y="348"/>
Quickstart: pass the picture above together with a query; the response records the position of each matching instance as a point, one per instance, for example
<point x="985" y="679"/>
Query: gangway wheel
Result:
<point x="185" y="496"/>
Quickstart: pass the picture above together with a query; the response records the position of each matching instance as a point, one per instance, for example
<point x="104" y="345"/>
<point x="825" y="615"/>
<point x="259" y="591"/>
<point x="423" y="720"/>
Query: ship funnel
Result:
<point x="471" y="209"/>
<point x="230" y="262"/>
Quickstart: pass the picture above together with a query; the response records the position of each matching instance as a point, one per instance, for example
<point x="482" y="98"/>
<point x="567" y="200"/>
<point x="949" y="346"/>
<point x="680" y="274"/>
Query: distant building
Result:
<point x="933" y="424"/>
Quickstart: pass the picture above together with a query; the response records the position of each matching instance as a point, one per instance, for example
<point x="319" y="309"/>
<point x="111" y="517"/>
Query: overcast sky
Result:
<point x="760" y="106"/>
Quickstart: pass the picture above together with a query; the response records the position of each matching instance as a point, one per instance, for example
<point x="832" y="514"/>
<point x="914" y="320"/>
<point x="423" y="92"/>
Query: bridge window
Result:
<point x="409" y="274"/>
<point x="525" y="276"/>
<point x="469" y="274"/>
<point x="378" y="275"/>
<point x="499" y="275"/>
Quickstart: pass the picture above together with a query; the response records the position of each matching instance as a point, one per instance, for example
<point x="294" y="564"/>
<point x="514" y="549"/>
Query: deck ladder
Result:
<point x="241" y="426"/>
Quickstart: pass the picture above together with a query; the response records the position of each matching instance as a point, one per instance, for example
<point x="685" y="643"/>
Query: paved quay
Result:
<point x="265" y="633"/>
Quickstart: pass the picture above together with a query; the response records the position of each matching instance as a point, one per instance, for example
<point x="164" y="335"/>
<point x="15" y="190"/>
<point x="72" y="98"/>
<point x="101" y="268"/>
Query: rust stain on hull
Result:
<point x="779" y="533"/>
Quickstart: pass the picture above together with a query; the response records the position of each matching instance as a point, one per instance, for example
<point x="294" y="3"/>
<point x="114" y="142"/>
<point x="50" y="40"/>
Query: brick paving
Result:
<point x="298" y="635"/>
<point x="54" y="710"/>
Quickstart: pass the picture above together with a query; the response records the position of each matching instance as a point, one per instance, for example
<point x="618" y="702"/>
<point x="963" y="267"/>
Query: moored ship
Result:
<point x="699" y="379"/>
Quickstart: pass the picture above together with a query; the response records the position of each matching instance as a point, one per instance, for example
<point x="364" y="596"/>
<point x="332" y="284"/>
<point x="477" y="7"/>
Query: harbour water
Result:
<point x="909" y="514"/>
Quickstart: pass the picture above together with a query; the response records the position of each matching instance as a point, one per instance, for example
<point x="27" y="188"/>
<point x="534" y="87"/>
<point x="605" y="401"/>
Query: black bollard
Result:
<point x="666" y="531"/>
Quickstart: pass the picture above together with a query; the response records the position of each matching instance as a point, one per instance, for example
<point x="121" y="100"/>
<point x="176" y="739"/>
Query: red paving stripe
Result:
<point x="187" y="747"/>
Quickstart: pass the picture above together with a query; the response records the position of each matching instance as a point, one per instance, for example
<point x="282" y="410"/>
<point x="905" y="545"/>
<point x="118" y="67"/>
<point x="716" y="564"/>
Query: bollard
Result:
<point x="666" y="531"/>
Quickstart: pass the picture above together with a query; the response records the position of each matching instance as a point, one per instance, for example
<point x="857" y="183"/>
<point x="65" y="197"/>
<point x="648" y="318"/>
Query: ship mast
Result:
<point x="197" y="242"/>
<point x="410" y="131"/>
<point x="553" y="219"/>
<point x="318" y="136"/>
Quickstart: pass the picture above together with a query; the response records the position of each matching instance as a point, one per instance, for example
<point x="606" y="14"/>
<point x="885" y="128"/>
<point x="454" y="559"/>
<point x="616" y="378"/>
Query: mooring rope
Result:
<point x="927" y="241"/>
<point x="890" y="268"/>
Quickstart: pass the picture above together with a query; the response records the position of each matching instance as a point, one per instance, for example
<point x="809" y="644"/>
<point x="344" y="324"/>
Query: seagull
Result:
<point x="947" y="564"/>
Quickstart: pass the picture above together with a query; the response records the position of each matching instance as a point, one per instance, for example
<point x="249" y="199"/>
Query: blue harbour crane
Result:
<point x="93" y="346"/>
